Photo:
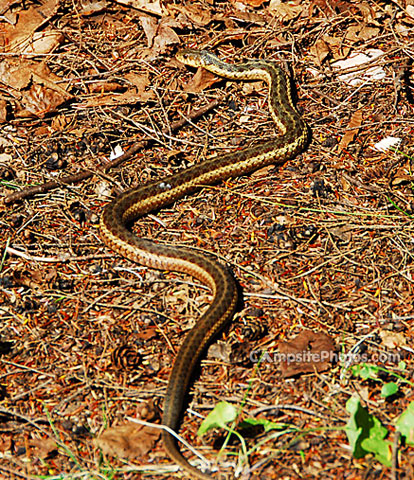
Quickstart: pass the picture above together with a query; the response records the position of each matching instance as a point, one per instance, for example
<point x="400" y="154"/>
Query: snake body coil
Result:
<point x="157" y="194"/>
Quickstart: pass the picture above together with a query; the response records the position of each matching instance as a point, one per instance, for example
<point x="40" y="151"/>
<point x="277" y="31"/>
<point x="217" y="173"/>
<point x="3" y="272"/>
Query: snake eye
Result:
<point x="183" y="56"/>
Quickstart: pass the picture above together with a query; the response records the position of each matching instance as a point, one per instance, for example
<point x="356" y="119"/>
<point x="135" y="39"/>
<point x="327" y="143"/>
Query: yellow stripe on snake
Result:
<point x="152" y="196"/>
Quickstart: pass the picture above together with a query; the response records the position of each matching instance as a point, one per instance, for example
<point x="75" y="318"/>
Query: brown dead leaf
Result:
<point x="285" y="11"/>
<point x="320" y="50"/>
<point x="367" y="11"/>
<point x="147" y="334"/>
<point x="154" y="8"/>
<point x="43" y="447"/>
<point x="195" y="13"/>
<point x="127" y="98"/>
<point x="220" y="350"/>
<point x="344" y="233"/>
<point x="18" y="37"/>
<point x="3" y="111"/>
<point x="149" y="25"/>
<point x="6" y="445"/>
<point x="357" y="33"/>
<point x="308" y="352"/>
<point x="201" y="80"/>
<point x="159" y="33"/>
<point x="128" y="441"/>
<point x="35" y="279"/>
<point x="60" y="123"/>
<point x="142" y="82"/>
<point x="329" y="45"/>
<point x="92" y="7"/>
<point x="165" y="36"/>
<point x="34" y="86"/>
<point x="345" y="184"/>
<point x="331" y="6"/>
<point x="38" y="101"/>
<point x="8" y="73"/>
<point x="42" y="42"/>
<point x="105" y="87"/>
<point x="352" y="130"/>
<point x="402" y="175"/>
<point x="258" y="18"/>
<point x="253" y="3"/>
<point x="392" y="339"/>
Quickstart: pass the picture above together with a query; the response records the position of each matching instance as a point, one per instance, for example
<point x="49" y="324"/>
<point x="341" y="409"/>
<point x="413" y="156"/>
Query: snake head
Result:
<point x="195" y="58"/>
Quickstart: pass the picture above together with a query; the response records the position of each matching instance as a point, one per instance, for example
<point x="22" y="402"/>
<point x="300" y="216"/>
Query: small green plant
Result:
<point x="367" y="371"/>
<point x="224" y="413"/>
<point x="366" y="434"/>
<point x="405" y="424"/>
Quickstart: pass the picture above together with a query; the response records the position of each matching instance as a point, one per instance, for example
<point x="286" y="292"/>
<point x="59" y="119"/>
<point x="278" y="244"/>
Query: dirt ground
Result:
<point x="322" y="247"/>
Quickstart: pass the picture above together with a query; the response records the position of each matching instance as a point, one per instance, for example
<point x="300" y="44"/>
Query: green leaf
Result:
<point x="221" y="414"/>
<point x="405" y="424"/>
<point x="267" y="424"/>
<point x="402" y="365"/>
<point x="389" y="389"/>
<point x="365" y="371"/>
<point x="377" y="444"/>
<point x="357" y="426"/>
<point x="366" y="434"/>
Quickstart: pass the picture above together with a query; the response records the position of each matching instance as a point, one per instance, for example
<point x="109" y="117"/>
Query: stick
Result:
<point x="72" y="179"/>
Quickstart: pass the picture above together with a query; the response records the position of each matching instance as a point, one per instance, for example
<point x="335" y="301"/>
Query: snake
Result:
<point x="118" y="215"/>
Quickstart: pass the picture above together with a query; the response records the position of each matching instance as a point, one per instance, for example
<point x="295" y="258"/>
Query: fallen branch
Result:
<point x="73" y="179"/>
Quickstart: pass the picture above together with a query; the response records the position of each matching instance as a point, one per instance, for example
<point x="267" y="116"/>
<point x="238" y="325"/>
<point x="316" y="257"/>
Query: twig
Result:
<point x="61" y="258"/>
<point x="11" y="413"/>
<point x="73" y="179"/>
<point x="297" y="408"/>
<point x="174" y="434"/>
<point x="394" y="466"/>
<point x="12" y="471"/>
<point x="359" y="184"/>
